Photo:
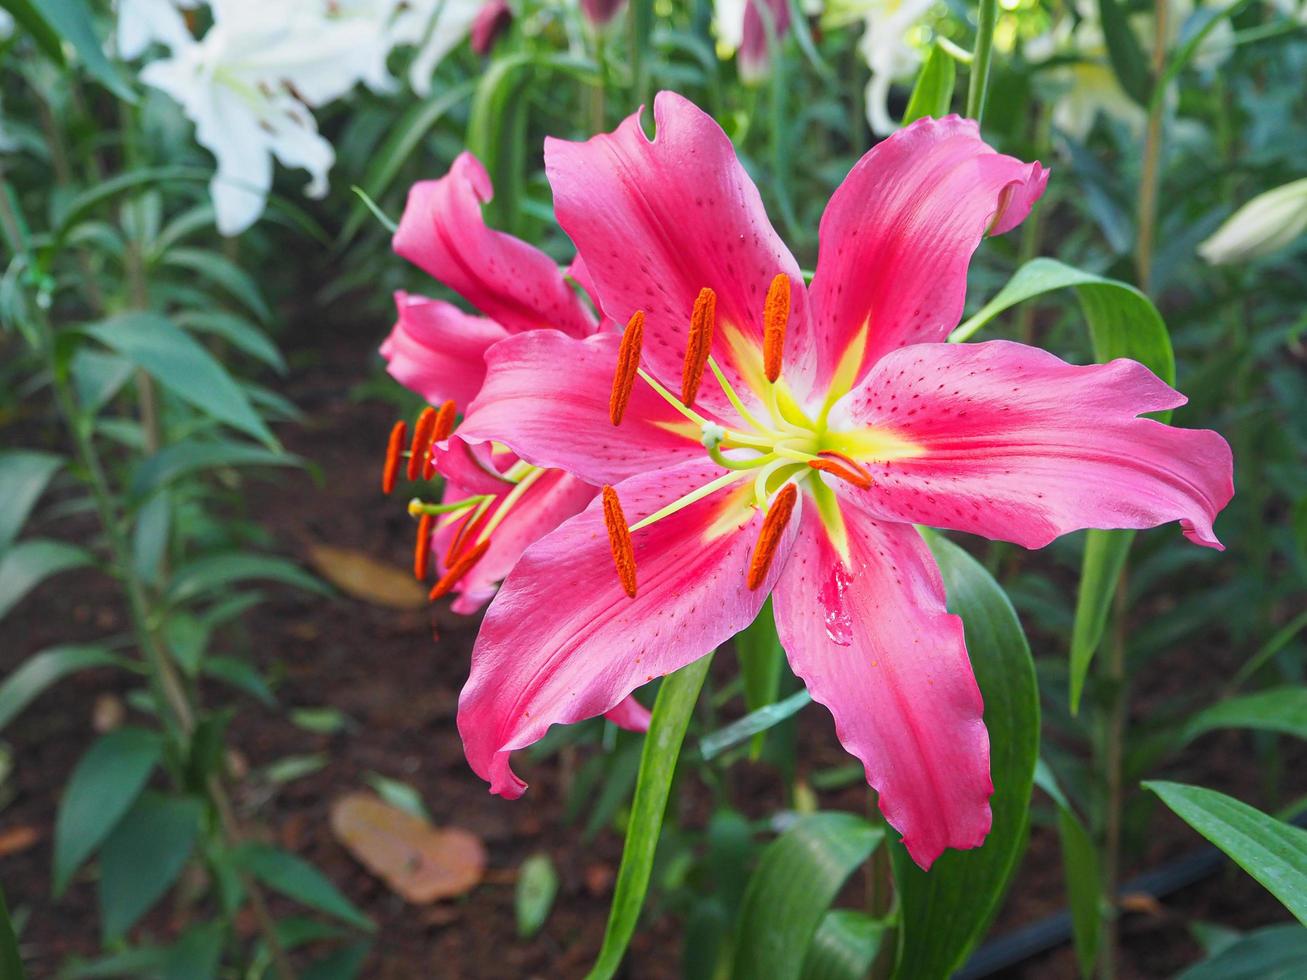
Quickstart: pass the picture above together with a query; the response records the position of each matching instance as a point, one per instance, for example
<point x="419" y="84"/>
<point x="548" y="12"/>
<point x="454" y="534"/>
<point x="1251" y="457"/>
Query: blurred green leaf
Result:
<point x="932" y="94"/>
<point x="182" y="458"/>
<point x="1124" y="52"/>
<point x="222" y="272"/>
<point x="1272" y="953"/>
<point x="214" y="572"/>
<point x="797" y="878"/>
<point x="24" y="475"/>
<point x="76" y="208"/>
<point x="237" y="331"/>
<point x="756" y="722"/>
<point x="43" y="670"/>
<point x="1081" y="869"/>
<point x="320" y="721"/>
<point x="27" y="564"/>
<point x="677" y="695"/>
<point x="292" y="767"/>
<point x="761" y="658"/>
<point x="844" y="946"/>
<point x="103" y="787"/>
<point x="72" y="21"/>
<point x="1281" y="709"/>
<point x="11" y="964"/>
<point x="97" y="377"/>
<point x="297" y="879"/>
<point x="946" y="911"/>
<point x="402" y="796"/>
<point x="241" y="676"/>
<point x="537" y="886"/>
<point x="143" y="856"/>
<point x="341" y="964"/>
<point x="150" y="533"/>
<point x="1273" y="852"/>
<point x="169" y="354"/>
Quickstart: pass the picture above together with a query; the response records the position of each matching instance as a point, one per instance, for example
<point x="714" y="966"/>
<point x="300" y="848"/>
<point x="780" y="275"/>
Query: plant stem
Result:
<point x="1148" y="175"/>
<point x="880" y="890"/>
<point x="170" y="690"/>
<point x="1112" y="756"/>
<point x="978" y="86"/>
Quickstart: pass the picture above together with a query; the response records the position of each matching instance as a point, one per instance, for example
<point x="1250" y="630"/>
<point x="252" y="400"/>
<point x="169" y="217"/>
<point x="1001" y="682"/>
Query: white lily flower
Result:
<point x="1266" y="223"/>
<point x="143" y="22"/>
<point x="248" y="85"/>
<point x="435" y="28"/>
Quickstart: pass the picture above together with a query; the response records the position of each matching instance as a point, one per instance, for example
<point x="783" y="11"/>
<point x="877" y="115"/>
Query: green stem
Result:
<point x="1112" y="760"/>
<point x="1148" y="175"/>
<point x="978" y="87"/>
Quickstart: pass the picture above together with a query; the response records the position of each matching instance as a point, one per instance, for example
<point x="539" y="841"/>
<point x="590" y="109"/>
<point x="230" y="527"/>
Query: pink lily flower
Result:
<point x="782" y="439"/>
<point x="493" y="505"/>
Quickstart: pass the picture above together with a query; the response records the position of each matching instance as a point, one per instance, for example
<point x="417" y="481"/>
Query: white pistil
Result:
<point x="510" y="498"/>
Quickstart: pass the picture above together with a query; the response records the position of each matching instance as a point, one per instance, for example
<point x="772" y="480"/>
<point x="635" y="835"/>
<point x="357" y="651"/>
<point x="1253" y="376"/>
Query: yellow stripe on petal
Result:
<point x="846" y="371"/>
<point x="733" y="513"/>
<point x="872" y="445"/>
<point x="680" y="427"/>
<point x="832" y="518"/>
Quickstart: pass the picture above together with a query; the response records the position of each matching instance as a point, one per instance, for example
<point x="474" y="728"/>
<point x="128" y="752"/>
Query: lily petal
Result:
<point x="657" y="220"/>
<point x="438" y="350"/>
<point x="871" y="639"/>
<point x="631" y="715"/>
<point x="442" y="232"/>
<point x="562" y="642"/>
<point x="897" y="237"/>
<point x="1015" y="444"/>
<point x="550" y="499"/>
<point x="545" y="396"/>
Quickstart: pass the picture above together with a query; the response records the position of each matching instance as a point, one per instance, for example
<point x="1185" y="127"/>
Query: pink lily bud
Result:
<point x="601" y="12"/>
<point x="492" y="20"/>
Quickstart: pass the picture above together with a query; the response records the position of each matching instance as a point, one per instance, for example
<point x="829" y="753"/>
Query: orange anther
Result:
<point x="440" y="430"/>
<point x="703" y="320"/>
<point x="853" y="472"/>
<point x="456" y="571"/>
<point x="417" y="452"/>
<point x="391" y="468"/>
<point x="628" y="363"/>
<point x="773" y="525"/>
<point x="619" y="540"/>
<point x="775" y="317"/>
<point x="422" y="548"/>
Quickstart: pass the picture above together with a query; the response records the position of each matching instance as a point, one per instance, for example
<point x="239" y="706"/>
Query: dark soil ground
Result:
<point x="397" y="676"/>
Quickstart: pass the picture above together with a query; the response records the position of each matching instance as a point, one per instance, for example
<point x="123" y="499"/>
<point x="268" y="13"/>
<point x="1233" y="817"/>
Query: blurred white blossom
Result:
<point x="143" y="22"/>
<point x="1266" y="223"/>
<point x="888" y="47"/>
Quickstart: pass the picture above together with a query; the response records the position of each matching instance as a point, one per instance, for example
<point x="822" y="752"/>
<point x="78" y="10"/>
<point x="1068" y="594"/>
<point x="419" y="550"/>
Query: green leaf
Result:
<point x="761" y="658"/>
<point x="754" y="723"/>
<point x="341" y="964"/>
<point x="182" y="458"/>
<point x="494" y="129"/>
<point x="1123" y="51"/>
<point x="1122" y="322"/>
<point x="97" y="377"/>
<point x="70" y="20"/>
<point x="405" y="136"/>
<point x="677" y="695"/>
<point x="1273" y="852"/>
<point x="402" y="796"/>
<point x="932" y="95"/>
<point x="945" y="912"/>
<point x="844" y="946"/>
<point x="798" y="876"/>
<point x="222" y="272"/>
<point x="537" y="886"/>
<point x="103" y="787"/>
<point x="142" y="858"/>
<point x="1081" y="869"/>
<point x="197" y="955"/>
<point x="241" y="676"/>
<point x="297" y="879"/>
<point x="209" y="574"/>
<point x="1281" y="709"/>
<point x="43" y="670"/>
<point x="24" y="475"/>
<point x="150" y="537"/>
<point x="29" y="563"/>
<point x="173" y="357"/>
<point x="1273" y="953"/>
<point x="11" y="964"/>
<point x="239" y="332"/>
<point x="78" y="207"/>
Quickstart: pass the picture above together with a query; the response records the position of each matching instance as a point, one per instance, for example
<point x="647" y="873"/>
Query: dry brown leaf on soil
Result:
<point x="14" y="840"/>
<point x="363" y="577"/>
<point x="419" y="862"/>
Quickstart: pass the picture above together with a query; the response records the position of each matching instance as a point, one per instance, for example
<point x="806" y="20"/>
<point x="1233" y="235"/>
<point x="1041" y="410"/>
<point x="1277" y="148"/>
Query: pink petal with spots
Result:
<point x="443" y="233"/>
<point x="562" y="641"/>
<point x="438" y="350"/>
<point x="1020" y="446"/>
<point x="873" y="642"/>
<point x="898" y="233"/>
<point x="546" y="397"/>
<point x="657" y="220"/>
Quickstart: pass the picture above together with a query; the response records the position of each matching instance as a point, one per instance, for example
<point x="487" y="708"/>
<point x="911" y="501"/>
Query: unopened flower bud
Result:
<point x="1268" y="222"/>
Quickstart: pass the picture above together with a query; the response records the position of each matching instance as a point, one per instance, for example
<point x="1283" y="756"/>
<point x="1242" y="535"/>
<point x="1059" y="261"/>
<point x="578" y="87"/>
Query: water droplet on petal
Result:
<point x="833" y="597"/>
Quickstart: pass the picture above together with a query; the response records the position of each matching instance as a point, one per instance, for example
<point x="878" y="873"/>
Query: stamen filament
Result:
<point x="422" y="548"/>
<point x="671" y="399"/>
<point x="769" y="538"/>
<point x="735" y="401"/>
<point x="457" y="570"/>
<point x="692" y="497"/>
<point x="469" y="522"/>
<point x="391" y="468"/>
<point x="737" y="464"/>
<point x="775" y="317"/>
<point x="703" y="321"/>
<point x="420" y="508"/>
<point x="619" y="541"/>
<point x="628" y="362"/>
<point x="510" y="498"/>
